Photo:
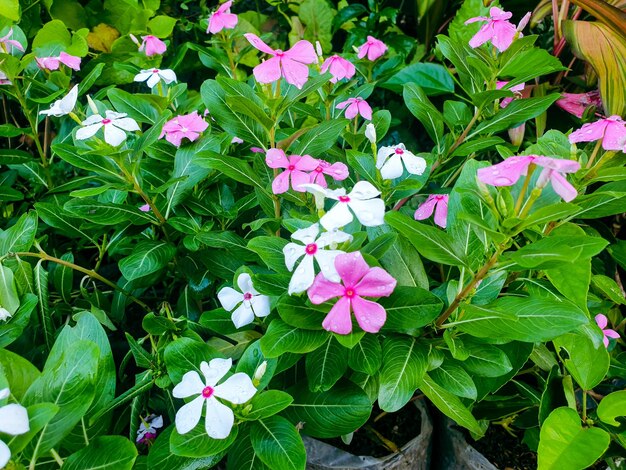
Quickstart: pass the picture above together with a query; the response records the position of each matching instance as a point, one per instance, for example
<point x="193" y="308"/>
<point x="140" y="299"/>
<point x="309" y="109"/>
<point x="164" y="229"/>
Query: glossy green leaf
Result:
<point x="282" y="338"/>
<point x="147" y="257"/>
<point x="278" y="444"/>
<point x="612" y="406"/>
<point x="587" y="364"/>
<point x="104" y="453"/>
<point x="326" y="365"/>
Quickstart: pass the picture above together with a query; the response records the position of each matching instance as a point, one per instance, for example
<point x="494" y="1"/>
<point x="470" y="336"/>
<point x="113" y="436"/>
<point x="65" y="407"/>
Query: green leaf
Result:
<point x="161" y="26"/>
<point x="338" y="411"/>
<point x="421" y="107"/>
<point x="410" y="308"/>
<point x="14" y="157"/>
<point x="104" y="453"/>
<point x="20" y="236"/>
<point x="450" y="405"/>
<point x="270" y="250"/>
<point x="278" y="444"/>
<point x="404" y="364"/>
<point x="281" y="338"/>
<point x="38" y="416"/>
<point x="433" y="79"/>
<point x="587" y="364"/>
<point x="432" y="243"/>
<point x="326" y="365"/>
<point x="454" y="379"/>
<point x="612" y="406"/>
<point x="241" y="455"/>
<point x="251" y="360"/>
<point x="56" y="217"/>
<point x="196" y="443"/>
<point x="367" y="355"/>
<point x="18" y="371"/>
<point x="565" y="445"/>
<point x="267" y="404"/>
<point x="295" y="312"/>
<point x="10" y="9"/>
<point x="63" y="277"/>
<point x="485" y="360"/>
<point x="40" y="280"/>
<point x="160" y="456"/>
<point x="185" y="354"/>
<point x="9" y="299"/>
<point x="86" y="161"/>
<point x="12" y="330"/>
<point x="141" y="108"/>
<point x="147" y="258"/>
<point x="319" y="139"/>
<point x="107" y="213"/>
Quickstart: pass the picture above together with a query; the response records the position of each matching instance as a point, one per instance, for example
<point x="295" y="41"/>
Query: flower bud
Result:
<point x="318" y="49"/>
<point x="370" y="133"/>
<point x="260" y="372"/>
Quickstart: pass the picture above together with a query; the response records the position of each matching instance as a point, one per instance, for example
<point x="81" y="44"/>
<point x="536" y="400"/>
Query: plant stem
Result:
<point x="466" y="131"/>
<point x="584" y="406"/>
<point x="56" y="457"/>
<point x="594" y="154"/>
<point x="535" y="193"/>
<point x="522" y="193"/>
<point x="89" y="272"/>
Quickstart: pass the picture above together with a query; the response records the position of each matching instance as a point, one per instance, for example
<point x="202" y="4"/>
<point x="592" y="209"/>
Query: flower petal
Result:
<point x="191" y="384"/>
<point x="295" y="73"/>
<point x="306" y="235"/>
<point x="237" y="389"/>
<point x="371" y="213"/>
<point x="260" y="305"/>
<point x="392" y="168"/>
<point x="302" y="51"/>
<point x="258" y="43"/>
<point x="88" y="131"/>
<point x="441" y="212"/>
<point x="113" y="136"/>
<point x="414" y="164"/>
<point x="229" y="298"/>
<point x="14" y="420"/>
<point x="323" y="290"/>
<point x="219" y="419"/>
<point x="601" y="320"/>
<point x="126" y="123"/>
<point x="268" y="71"/>
<point x="303" y="276"/>
<point x="215" y="370"/>
<point x="188" y="416"/>
<point x="351" y="268"/>
<point x="370" y="316"/>
<point x="276" y="158"/>
<point x="299" y="178"/>
<point x="242" y="315"/>
<point x="293" y="252"/>
<point x="563" y="187"/>
<point x="244" y="281"/>
<point x="326" y="261"/>
<point x="364" y="190"/>
<point x="425" y="209"/>
<point x="5" y="454"/>
<point x="281" y="183"/>
<point x="376" y="283"/>
<point x="338" y="319"/>
<point x="338" y="216"/>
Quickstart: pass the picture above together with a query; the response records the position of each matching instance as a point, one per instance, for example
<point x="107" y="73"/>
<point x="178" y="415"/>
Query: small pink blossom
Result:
<point x="602" y="323"/>
<point x="53" y="63"/>
<point x="508" y="172"/>
<point x="257" y="150"/>
<point x="337" y="171"/>
<point x="295" y="167"/>
<point x="437" y="203"/>
<point x="372" y="48"/>
<point x="359" y="280"/>
<point x="498" y="29"/>
<point x="517" y="90"/>
<point x="611" y="130"/>
<point x="145" y="208"/>
<point x="222" y="19"/>
<point x="236" y="140"/>
<point x="187" y="125"/>
<point x="577" y="103"/>
<point x="7" y="44"/>
<point x="356" y="106"/>
<point x="339" y="67"/>
<point x="290" y="64"/>
<point x="151" y="45"/>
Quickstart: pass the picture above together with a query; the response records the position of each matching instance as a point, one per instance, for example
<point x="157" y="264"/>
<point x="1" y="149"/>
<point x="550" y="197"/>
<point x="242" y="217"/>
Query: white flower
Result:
<point x="4" y="80"/>
<point x="153" y="76"/>
<point x="114" y="126"/>
<point x="390" y="160"/>
<point x="13" y="421"/>
<point x="237" y="389"/>
<point x="252" y="303"/>
<point x="362" y="200"/>
<point x="4" y="316"/>
<point x="148" y="427"/>
<point x="63" y="106"/>
<point x="311" y="248"/>
<point x="260" y="372"/>
<point x="370" y="133"/>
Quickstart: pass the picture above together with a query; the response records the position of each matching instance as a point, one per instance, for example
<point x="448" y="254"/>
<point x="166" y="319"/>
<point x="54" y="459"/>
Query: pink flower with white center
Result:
<point x="602" y="321"/>
<point x="295" y="167"/>
<point x="517" y="90"/>
<point x="7" y="44"/>
<point x="151" y="45"/>
<point x="611" y="130"/>
<point x="13" y="421"/>
<point x="115" y="127"/>
<point x="339" y="67"/>
<point x="372" y="48"/>
<point x="508" y="172"/>
<point x="4" y="80"/>
<point x="222" y="19"/>
<point x="390" y="159"/>
<point x="362" y="201"/>
<point x="356" y="106"/>
<point x="313" y="247"/>
<point x="53" y="63"/>
<point x="147" y="431"/>
<point x="359" y="280"/>
<point x="437" y="203"/>
<point x="154" y="76"/>
<point x="248" y="302"/>
<point x="219" y="418"/>
<point x="186" y="126"/>
<point x="337" y="171"/>
<point x="290" y="64"/>
<point x="498" y="29"/>
<point x="577" y="103"/>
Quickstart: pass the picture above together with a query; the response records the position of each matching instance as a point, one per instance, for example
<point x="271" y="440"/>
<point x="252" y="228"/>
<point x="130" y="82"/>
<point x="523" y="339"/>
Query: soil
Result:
<point x="396" y="429"/>
<point x="504" y="450"/>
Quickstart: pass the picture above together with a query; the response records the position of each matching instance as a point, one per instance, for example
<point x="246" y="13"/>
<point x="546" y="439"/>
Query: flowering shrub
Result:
<point x="217" y="236"/>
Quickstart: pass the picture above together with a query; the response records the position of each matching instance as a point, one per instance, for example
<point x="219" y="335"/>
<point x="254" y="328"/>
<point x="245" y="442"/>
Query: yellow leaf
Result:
<point x="102" y="37"/>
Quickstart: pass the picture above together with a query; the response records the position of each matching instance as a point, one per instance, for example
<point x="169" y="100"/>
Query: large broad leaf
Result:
<point x="242" y="456"/>
<point x="186" y="354"/>
<point x="18" y="371"/>
<point x="605" y="50"/>
<point x="104" y="453"/>
<point x="281" y="338"/>
<point x="326" y="365"/>
<point x="611" y="15"/>
<point x="338" y="411"/>
<point x="147" y="258"/>
<point x="421" y="107"/>
<point x="612" y="406"/>
<point x="587" y="364"/>
<point x="410" y="308"/>
<point x="20" y="236"/>
<point x="160" y="456"/>
<point x="454" y="379"/>
<point x="367" y="355"/>
<point x="319" y="139"/>
<point x="278" y="444"/>
<point x="197" y="443"/>
<point x="565" y="445"/>
<point x="434" y="79"/>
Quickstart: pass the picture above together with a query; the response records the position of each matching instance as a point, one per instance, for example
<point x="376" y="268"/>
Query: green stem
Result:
<point x="596" y="149"/>
<point x="520" y="198"/>
<point x="56" y="457"/>
<point x="465" y="132"/>
<point x="584" y="406"/>
<point x="535" y="193"/>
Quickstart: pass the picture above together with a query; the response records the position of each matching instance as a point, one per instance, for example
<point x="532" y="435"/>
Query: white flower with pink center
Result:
<point x="390" y="159"/>
<point x="237" y="389"/>
<point x="154" y="76"/>
<point x="13" y="421"/>
<point x="115" y="127"/>
<point x="248" y="302"/>
<point x="313" y="247"/>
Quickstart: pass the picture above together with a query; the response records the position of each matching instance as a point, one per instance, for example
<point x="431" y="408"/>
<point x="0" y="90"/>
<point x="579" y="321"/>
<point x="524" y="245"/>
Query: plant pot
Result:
<point x="455" y="452"/>
<point x="414" y="455"/>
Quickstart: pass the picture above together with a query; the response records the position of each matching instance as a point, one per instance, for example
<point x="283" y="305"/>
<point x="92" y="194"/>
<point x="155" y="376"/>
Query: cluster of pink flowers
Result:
<point x="498" y="29"/>
<point x="301" y="169"/>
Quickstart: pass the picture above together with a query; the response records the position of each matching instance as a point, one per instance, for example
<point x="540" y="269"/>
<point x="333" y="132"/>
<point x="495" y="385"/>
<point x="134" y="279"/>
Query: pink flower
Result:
<point x="338" y="171"/>
<point x="507" y="173"/>
<point x="437" y="203"/>
<point x="295" y="167"/>
<point x="257" y="150"/>
<point x="602" y="323"/>
<point x="222" y="19"/>
<point x="152" y="45"/>
<point x="290" y="64"/>
<point x="356" y="106"/>
<point x="6" y="43"/>
<point x="517" y="89"/>
<point x="236" y="140"/>
<point x="373" y="48"/>
<point x="576" y="103"/>
<point x="53" y="63"/>
<point x="611" y="130"/>
<point x="498" y="29"/>
<point x="145" y="208"/>
<point x="358" y="280"/>
<point x="187" y="125"/>
<point x="339" y="67"/>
